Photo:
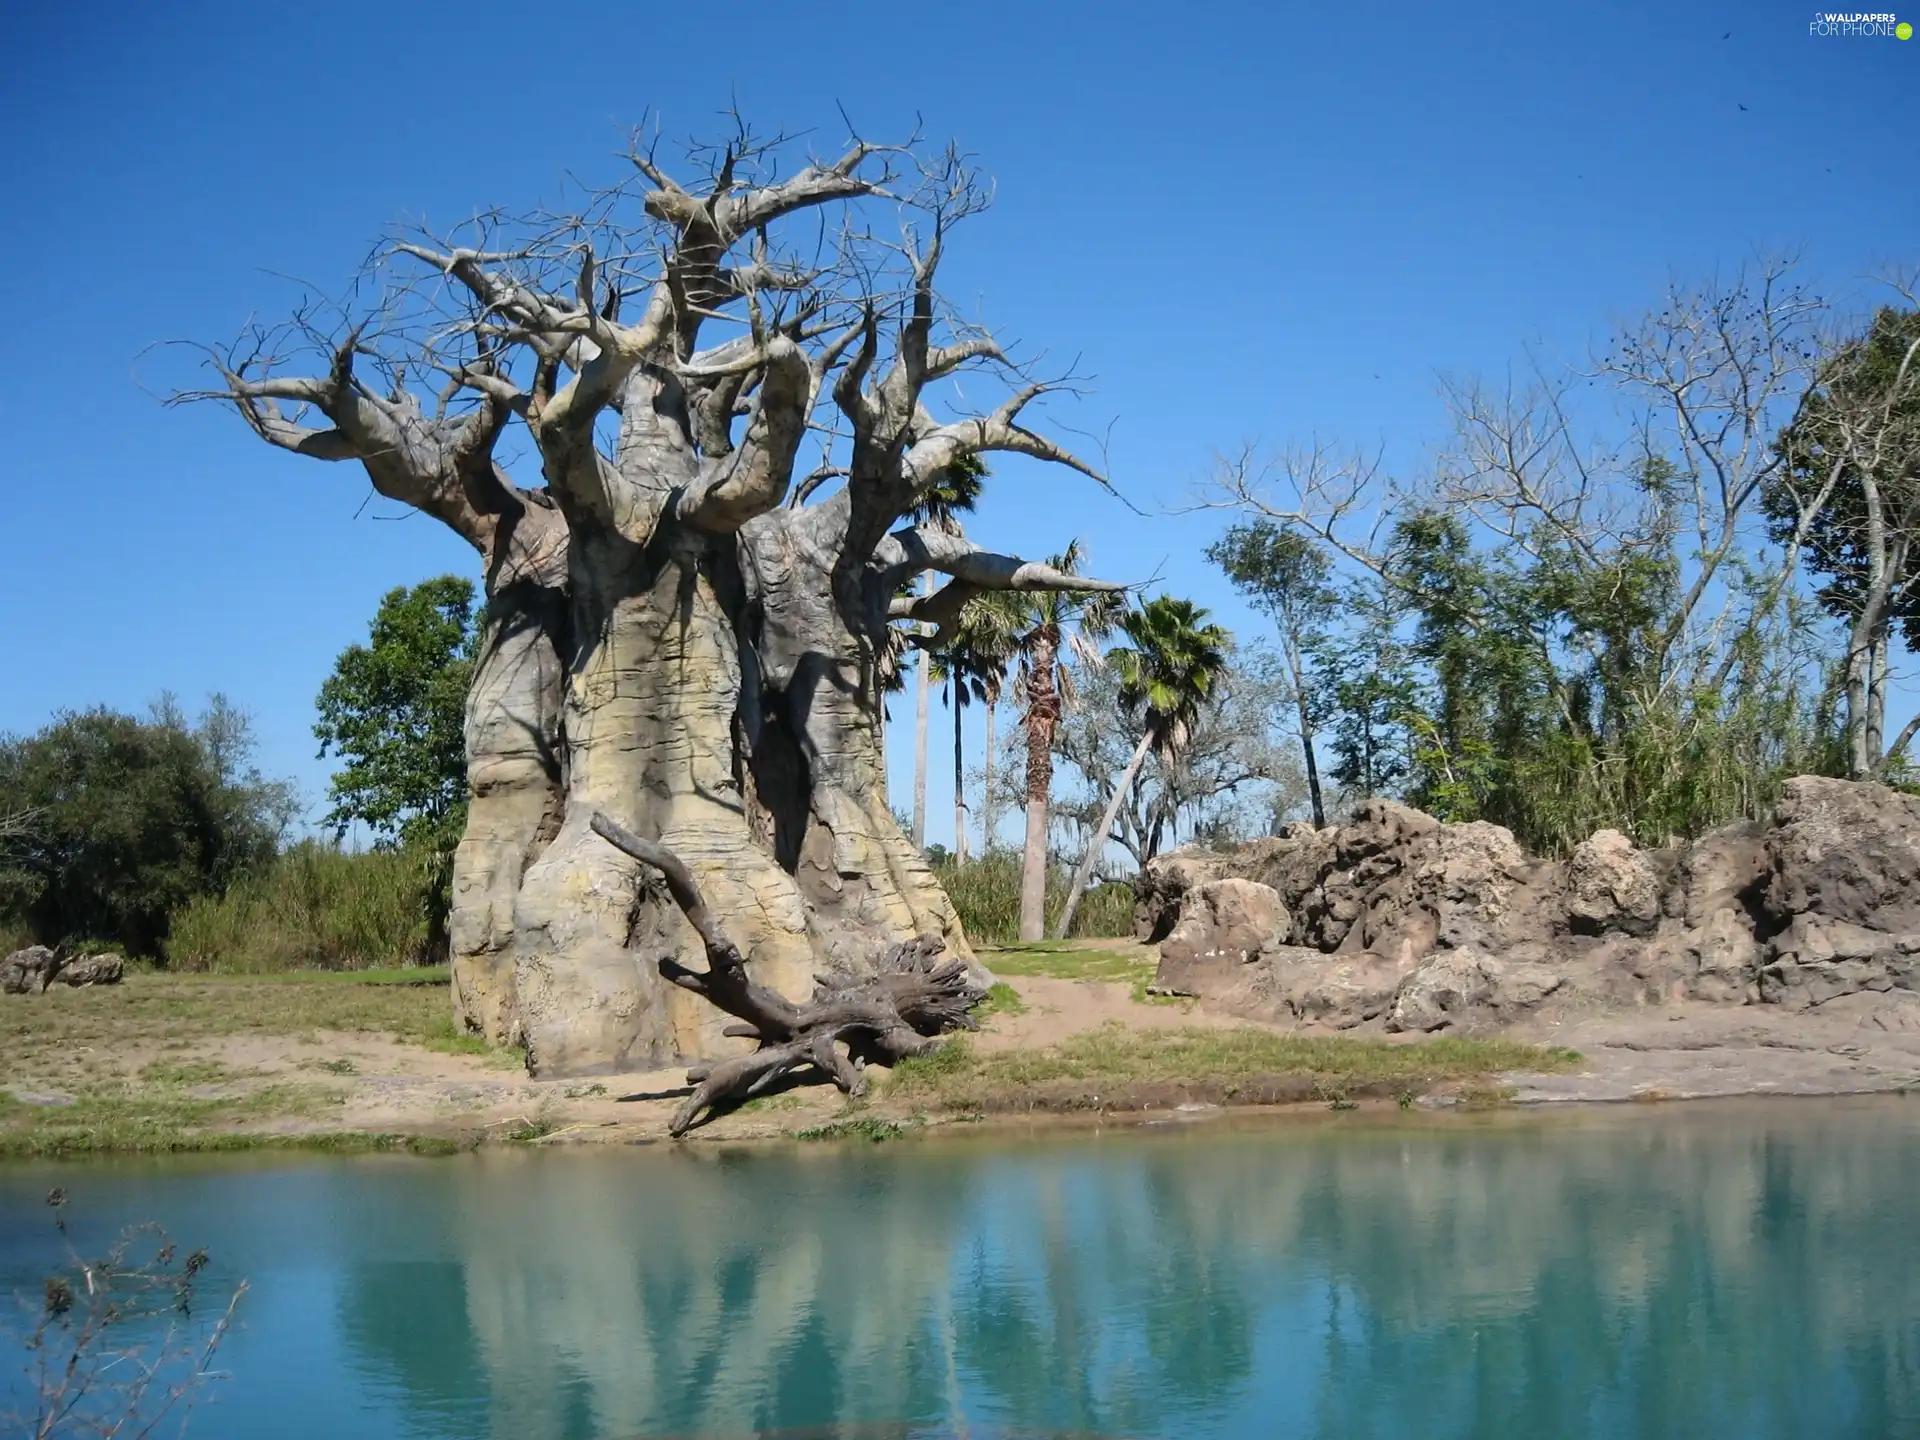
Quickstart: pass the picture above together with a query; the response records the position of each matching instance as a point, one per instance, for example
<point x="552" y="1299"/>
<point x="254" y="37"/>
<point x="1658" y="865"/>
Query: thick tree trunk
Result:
<point x="1097" y="842"/>
<point x="1043" y="714"/>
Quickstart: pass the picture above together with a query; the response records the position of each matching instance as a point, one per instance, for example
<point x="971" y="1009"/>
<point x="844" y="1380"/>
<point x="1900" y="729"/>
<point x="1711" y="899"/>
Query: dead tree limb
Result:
<point x="914" y="998"/>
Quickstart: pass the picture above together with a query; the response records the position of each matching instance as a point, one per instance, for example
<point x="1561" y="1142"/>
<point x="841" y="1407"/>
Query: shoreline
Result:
<point x="346" y="1064"/>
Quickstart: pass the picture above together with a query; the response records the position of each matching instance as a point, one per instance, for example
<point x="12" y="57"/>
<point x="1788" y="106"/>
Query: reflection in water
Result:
<point x="1748" y="1272"/>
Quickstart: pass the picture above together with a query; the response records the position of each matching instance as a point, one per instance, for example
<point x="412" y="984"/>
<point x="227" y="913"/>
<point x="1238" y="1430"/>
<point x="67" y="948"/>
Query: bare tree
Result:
<point x="1856" y="443"/>
<point x="1657" y="455"/>
<point x="119" y="1344"/>
<point x="1232" y="774"/>
<point x="683" y="631"/>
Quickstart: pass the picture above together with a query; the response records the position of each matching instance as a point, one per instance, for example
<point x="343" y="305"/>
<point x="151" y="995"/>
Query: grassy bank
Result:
<point x="132" y="1067"/>
<point x="1117" y="1068"/>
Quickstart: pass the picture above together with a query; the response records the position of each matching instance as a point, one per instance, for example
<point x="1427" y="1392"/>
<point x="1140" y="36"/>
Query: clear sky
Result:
<point x="1249" y="222"/>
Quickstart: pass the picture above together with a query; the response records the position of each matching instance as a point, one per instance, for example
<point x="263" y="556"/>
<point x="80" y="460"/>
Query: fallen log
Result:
<point x="913" y="998"/>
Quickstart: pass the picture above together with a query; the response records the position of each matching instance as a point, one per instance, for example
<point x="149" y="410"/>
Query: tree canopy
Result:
<point x="121" y="820"/>
<point x="393" y="712"/>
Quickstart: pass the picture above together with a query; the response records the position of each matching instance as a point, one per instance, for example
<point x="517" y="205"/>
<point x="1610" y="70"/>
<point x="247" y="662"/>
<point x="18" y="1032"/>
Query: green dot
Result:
<point x="1903" y="30"/>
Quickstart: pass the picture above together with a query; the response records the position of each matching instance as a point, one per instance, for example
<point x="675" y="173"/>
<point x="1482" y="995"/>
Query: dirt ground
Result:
<point x="165" y="1061"/>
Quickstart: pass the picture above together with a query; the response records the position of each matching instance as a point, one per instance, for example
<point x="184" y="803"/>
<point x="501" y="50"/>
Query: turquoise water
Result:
<point x="1642" y="1272"/>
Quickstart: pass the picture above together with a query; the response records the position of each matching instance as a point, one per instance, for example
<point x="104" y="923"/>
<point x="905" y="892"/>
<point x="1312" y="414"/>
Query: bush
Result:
<point x="117" y="822"/>
<point x="986" y="892"/>
<point x="316" y="907"/>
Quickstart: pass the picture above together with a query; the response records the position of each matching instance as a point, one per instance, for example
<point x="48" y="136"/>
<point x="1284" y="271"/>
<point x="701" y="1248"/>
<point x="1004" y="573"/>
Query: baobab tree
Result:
<point x="683" y="633"/>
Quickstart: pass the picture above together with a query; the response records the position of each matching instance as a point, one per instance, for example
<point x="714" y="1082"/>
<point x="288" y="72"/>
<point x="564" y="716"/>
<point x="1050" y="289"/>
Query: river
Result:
<point x="1661" y="1271"/>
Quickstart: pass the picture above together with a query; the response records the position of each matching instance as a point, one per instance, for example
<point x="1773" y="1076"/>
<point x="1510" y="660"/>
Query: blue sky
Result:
<point x="1247" y="222"/>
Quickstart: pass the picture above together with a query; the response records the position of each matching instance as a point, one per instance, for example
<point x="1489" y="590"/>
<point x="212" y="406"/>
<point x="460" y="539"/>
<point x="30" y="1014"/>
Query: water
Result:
<point x="1718" y="1272"/>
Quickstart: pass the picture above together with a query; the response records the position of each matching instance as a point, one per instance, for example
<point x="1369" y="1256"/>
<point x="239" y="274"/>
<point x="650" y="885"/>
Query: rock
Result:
<point x="1727" y="959"/>
<point x="1396" y="916"/>
<point x="1725" y="869"/>
<point x="1467" y="989"/>
<point x="1444" y="992"/>
<point x="1846" y="851"/>
<point x="1164" y="883"/>
<point x="32" y="970"/>
<point x="1340" y="991"/>
<point x="1817" y="959"/>
<point x="28" y="971"/>
<point x="1223" y="925"/>
<point x="1611" y="886"/>
<point x="1457" y="885"/>
<point x="91" y="970"/>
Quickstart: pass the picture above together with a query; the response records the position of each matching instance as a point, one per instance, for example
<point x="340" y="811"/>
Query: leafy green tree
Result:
<point x="121" y="821"/>
<point x="1289" y="579"/>
<point x="1040" y="625"/>
<point x="394" y="710"/>
<point x="1167" y="670"/>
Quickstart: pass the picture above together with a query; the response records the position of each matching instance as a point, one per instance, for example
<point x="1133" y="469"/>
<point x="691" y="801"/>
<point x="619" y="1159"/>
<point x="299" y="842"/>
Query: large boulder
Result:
<point x="28" y="971"/>
<point x="1611" y="886"/>
<point x="32" y="970"/>
<point x="91" y="970"/>
<point x="1846" y="851"/>
<point x="1398" y="918"/>
<point x="1224" y="924"/>
<point x="1816" y="959"/>
<point x="1468" y="989"/>
<point x="1843" y="892"/>
<point x="1339" y="991"/>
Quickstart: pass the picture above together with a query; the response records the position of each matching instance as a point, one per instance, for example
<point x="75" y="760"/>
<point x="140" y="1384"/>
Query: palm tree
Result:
<point x="956" y="491"/>
<point x="1168" y="670"/>
<point x="1040" y="623"/>
<point x="972" y="665"/>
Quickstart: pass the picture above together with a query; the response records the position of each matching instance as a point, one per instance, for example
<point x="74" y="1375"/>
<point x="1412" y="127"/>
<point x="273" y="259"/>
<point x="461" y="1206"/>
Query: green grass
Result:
<point x="1063" y="960"/>
<point x="956" y="1077"/>
<point x="151" y="1118"/>
<point x="98" y="1045"/>
<point x="871" y="1128"/>
<point x="986" y="892"/>
<point x="315" y="907"/>
<point x="1002" y="999"/>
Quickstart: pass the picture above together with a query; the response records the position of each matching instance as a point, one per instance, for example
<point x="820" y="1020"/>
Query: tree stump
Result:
<point x="913" y="999"/>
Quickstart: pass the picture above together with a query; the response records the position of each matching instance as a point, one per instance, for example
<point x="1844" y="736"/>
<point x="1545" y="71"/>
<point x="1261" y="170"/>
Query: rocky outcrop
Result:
<point x="1223" y="925"/>
<point x="34" y="970"/>
<point x="1397" y="919"/>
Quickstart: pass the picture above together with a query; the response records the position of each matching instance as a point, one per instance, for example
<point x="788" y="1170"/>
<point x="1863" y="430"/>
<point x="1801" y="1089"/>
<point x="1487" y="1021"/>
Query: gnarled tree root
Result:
<point x="913" y="998"/>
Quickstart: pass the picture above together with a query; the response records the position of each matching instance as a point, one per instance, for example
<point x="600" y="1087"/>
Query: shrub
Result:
<point x="315" y="907"/>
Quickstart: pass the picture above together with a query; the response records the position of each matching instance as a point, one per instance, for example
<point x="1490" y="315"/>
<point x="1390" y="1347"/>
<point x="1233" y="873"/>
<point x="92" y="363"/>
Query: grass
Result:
<point x="112" y="1054"/>
<point x="986" y="892"/>
<point x="872" y="1128"/>
<point x="315" y="907"/>
<point x="1232" y="1063"/>
<point x="1002" y="999"/>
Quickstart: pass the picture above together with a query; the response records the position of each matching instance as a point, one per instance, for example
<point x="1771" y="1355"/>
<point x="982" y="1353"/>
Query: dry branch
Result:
<point x="915" y="997"/>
